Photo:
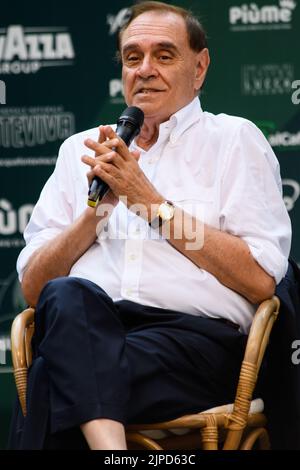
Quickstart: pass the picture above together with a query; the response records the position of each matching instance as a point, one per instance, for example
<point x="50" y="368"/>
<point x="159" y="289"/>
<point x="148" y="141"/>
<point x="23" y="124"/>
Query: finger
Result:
<point x="114" y="158"/>
<point x="101" y="137"/>
<point x="111" y="157"/>
<point x="100" y="149"/>
<point x="93" y="161"/>
<point x="121" y="147"/>
<point x="88" y="160"/>
<point x="107" y="177"/>
<point x="108" y="168"/>
<point x="109" y="132"/>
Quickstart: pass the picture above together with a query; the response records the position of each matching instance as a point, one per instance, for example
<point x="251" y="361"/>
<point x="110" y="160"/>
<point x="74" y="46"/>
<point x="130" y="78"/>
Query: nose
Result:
<point x="147" y="69"/>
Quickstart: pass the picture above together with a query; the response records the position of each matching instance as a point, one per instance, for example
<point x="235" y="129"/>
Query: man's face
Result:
<point x="160" y="72"/>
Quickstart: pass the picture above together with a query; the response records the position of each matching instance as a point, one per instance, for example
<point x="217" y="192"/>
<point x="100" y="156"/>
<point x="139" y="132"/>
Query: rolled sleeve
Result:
<point x="36" y="242"/>
<point x="252" y="204"/>
<point x="269" y="257"/>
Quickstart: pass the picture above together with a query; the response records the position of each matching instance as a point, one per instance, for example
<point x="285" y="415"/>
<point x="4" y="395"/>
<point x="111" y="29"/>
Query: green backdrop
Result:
<point x="57" y="64"/>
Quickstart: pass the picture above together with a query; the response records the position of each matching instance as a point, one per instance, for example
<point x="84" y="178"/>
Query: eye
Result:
<point x="164" y="58"/>
<point x="132" y="59"/>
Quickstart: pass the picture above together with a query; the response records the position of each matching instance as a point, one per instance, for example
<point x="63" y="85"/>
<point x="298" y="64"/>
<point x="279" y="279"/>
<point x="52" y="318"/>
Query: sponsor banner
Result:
<point x="280" y="140"/>
<point x="116" y="21"/>
<point x="291" y="191"/>
<point x="116" y="91"/>
<point x="267" y="79"/>
<point x="270" y="16"/>
<point x="12" y="223"/>
<point x="285" y="139"/>
<point x="26" y="50"/>
<point x="31" y="161"/>
<point x="34" y="126"/>
<point x="2" y="92"/>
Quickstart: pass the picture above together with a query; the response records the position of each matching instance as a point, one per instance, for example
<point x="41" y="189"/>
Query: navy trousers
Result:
<point x="95" y="358"/>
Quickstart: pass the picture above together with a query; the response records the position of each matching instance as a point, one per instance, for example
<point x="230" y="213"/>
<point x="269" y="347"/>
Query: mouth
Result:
<point x="147" y="91"/>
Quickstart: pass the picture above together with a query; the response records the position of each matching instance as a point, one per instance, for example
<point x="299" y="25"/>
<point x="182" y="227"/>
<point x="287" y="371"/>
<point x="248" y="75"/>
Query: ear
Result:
<point x="202" y="63"/>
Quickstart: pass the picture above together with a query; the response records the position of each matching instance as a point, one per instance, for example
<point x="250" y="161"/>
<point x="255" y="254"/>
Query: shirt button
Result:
<point x="132" y="257"/>
<point x="128" y="291"/>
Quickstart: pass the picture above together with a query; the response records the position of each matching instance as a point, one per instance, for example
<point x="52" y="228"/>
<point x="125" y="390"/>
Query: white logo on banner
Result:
<point x="29" y="127"/>
<point x="28" y="49"/>
<point x="2" y="92"/>
<point x="116" y="22"/>
<point x="4" y="347"/>
<point x="252" y="17"/>
<point x="267" y="79"/>
<point x="290" y="201"/>
<point x="12" y="220"/>
<point x="284" y="139"/>
<point x="116" y="91"/>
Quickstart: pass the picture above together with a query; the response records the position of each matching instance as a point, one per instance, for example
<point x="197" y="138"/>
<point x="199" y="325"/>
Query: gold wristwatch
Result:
<point x="165" y="213"/>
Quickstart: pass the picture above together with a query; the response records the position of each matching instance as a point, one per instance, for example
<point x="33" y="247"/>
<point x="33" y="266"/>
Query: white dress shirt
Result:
<point x="219" y="165"/>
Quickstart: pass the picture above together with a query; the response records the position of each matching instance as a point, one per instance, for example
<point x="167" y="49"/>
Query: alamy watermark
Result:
<point x="296" y="354"/>
<point x="188" y="225"/>
<point x="296" y="93"/>
<point x="2" y="92"/>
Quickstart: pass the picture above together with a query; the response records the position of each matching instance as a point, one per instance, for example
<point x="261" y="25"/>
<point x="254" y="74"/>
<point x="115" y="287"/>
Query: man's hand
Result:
<point x="118" y="167"/>
<point x="109" y="197"/>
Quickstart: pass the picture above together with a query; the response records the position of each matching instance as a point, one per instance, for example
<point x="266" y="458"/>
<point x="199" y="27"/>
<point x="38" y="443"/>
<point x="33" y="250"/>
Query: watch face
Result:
<point x="166" y="211"/>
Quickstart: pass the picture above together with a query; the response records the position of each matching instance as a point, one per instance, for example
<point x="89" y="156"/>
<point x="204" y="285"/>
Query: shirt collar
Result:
<point x="184" y="118"/>
<point x="178" y="123"/>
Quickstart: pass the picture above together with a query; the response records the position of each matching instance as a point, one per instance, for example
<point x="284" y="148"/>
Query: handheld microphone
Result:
<point x="128" y="127"/>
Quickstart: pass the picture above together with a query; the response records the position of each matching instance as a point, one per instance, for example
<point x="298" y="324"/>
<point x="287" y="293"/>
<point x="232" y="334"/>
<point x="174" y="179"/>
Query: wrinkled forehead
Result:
<point x="151" y="27"/>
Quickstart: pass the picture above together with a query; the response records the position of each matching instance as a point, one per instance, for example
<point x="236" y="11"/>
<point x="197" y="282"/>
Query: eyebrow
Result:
<point x="161" y="45"/>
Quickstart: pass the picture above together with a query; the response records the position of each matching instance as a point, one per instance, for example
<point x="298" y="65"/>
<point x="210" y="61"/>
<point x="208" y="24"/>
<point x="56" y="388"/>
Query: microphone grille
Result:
<point x="134" y="115"/>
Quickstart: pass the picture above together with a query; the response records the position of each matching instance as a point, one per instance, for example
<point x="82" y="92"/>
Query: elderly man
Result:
<point x="142" y="315"/>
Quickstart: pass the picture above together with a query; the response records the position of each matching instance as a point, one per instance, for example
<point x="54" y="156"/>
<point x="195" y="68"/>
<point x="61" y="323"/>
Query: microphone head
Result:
<point x="134" y="115"/>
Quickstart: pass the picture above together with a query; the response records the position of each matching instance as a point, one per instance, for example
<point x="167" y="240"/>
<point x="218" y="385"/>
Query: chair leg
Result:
<point x="209" y="433"/>
<point x="143" y="441"/>
<point x="261" y="435"/>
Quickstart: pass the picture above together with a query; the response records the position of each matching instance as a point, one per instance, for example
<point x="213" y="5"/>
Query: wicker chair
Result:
<point x="235" y="426"/>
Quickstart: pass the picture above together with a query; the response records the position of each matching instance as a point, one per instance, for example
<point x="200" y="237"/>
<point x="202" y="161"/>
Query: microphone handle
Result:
<point x="97" y="191"/>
